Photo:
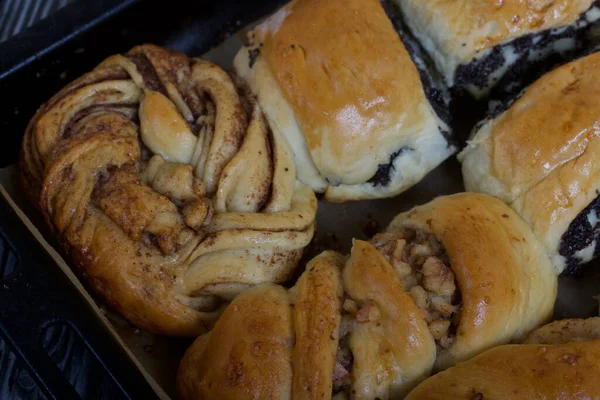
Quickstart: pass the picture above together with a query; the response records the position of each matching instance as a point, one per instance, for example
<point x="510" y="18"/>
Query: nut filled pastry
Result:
<point x="335" y="79"/>
<point x="479" y="45"/>
<point x="346" y="330"/>
<point x="164" y="183"/>
<point x="476" y="270"/>
<point x="558" y="361"/>
<point x="541" y="157"/>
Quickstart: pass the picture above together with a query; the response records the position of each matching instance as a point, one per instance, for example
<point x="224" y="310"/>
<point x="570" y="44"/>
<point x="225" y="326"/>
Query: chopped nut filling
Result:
<point x="423" y="267"/>
<point x="353" y="313"/>
<point x="343" y="366"/>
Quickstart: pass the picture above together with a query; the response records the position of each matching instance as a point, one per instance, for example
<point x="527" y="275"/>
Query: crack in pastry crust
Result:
<point x="166" y="187"/>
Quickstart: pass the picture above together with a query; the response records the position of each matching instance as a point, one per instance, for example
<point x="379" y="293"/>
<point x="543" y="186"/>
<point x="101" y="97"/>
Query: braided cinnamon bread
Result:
<point x="167" y="188"/>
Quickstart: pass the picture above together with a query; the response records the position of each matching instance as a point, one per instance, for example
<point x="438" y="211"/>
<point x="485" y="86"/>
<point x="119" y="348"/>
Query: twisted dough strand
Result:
<point x="166" y="187"/>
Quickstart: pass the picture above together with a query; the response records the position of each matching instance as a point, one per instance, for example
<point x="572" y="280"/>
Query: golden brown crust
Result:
<point x="317" y="316"/>
<point x="395" y="352"/>
<point x="506" y="280"/>
<point x="393" y="349"/>
<point x="541" y="155"/>
<point x="566" y="331"/>
<point x="365" y="63"/>
<point x="563" y="105"/>
<point x="248" y="354"/>
<point x="142" y="291"/>
<point x="566" y="371"/>
<point x="149" y="170"/>
<point x="346" y="104"/>
<point x="466" y="28"/>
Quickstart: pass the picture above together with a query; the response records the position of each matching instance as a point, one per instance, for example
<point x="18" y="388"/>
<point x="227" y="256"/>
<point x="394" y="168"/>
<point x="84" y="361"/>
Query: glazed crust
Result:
<point x="317" y="316"/>
<point x="566" y="331"/>
<point x="166" y="188"/>
<point x="391" y="340"/>
<point x="457" y="31"/>
<point x="248" y="354"/>
<point x="564" y="371"/>
<point x="506" y="280"/>
<point x="541" y="155"/>
<point x="346" y="104"/>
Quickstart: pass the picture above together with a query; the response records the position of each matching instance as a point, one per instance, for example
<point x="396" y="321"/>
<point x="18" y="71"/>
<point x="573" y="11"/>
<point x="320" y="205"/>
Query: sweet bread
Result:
<point x="566" y="331"/>
<point x="165" y="185"/>
<point x="557" y="367"/>
<point x="335" y="79"/>
<point x="347" y="329"/>
<point x="540" y="157"/>
<point x="479" y="45"/>
<point x="475" y="268"/>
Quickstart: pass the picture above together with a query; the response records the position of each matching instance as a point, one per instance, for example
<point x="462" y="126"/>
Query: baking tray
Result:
<point x="194" y="28"/>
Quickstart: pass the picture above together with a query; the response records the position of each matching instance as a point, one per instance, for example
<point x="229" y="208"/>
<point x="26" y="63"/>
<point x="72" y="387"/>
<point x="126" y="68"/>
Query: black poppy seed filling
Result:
<point x="252" y="56"/>
<point x="435" y="90"/>
<point x="433" y="84"/>
<point x="383" y="176"/>
<point x="499" y="106"/>
<point x="528" y="66"/>
<point x="580" y="235"/>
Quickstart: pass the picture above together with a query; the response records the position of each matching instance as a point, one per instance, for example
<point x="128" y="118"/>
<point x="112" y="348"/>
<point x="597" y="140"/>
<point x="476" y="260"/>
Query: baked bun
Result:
<point x="349" y="331"/>
<point x="566" y="331"/>
<point x="476" y="269"/>
<point x="541" y="157"/>
<point x="164" y="185"/>
<point x="336" y="81"/>
<point x="562" y="368"/>
<point x="479" y="45"/>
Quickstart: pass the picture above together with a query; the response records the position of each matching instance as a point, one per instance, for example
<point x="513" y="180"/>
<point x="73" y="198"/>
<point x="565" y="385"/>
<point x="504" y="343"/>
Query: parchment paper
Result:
<point x="158" y="357"/>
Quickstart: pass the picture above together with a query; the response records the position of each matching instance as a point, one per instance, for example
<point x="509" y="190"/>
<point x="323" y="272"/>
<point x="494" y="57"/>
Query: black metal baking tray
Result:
<point x="51" y="344"/>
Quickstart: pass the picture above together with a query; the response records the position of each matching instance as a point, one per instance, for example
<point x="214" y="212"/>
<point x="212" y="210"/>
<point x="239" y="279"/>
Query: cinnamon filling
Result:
<point x="423" y="267"/>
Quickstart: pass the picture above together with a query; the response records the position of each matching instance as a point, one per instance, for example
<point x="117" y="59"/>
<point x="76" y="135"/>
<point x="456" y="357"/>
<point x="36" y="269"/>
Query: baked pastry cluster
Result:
<point x="185" y="207"/>
<point x="540" y="156"/>
<point x="445" y="282"/>
<point x="487" y="44"/>
<point x="165" y="185"/>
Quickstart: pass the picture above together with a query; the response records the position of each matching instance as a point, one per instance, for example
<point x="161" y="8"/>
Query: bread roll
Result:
<point x="566" y="331"/>
<point x="540" y="156"/>
<point x="476" y="269"/>
<point x="479" y="45"/>
<point x="346" y="331"/>
<point x="161" y="181"/>
<point x="564" y="365"/>
<point x="336" y="81"/>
